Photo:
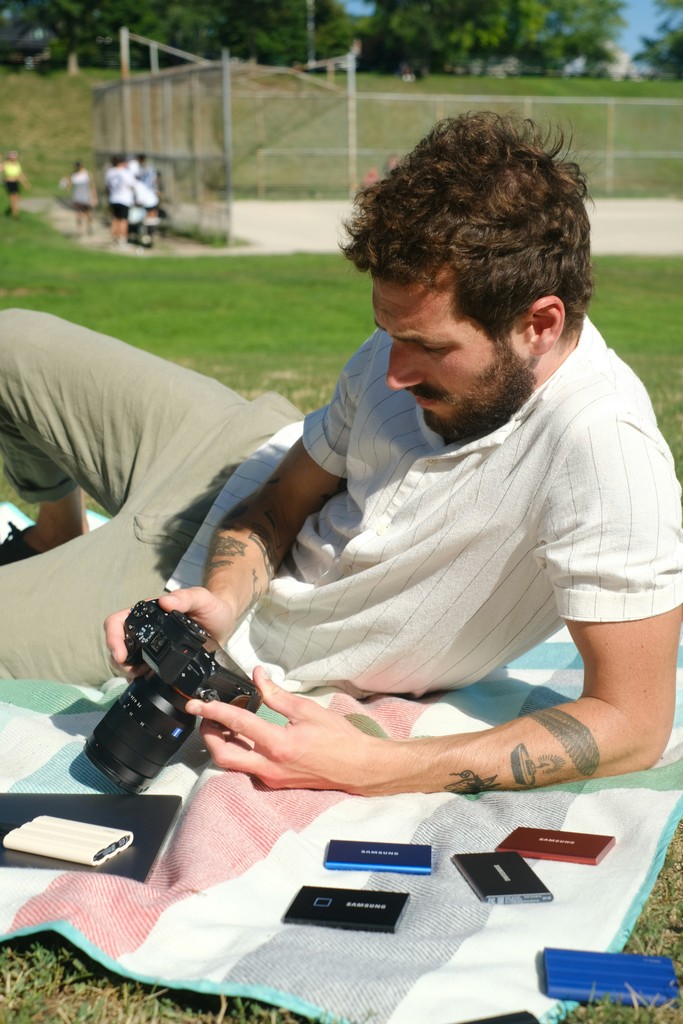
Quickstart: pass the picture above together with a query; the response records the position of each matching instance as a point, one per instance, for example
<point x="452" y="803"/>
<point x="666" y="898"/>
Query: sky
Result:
<point x="641" y="17"/>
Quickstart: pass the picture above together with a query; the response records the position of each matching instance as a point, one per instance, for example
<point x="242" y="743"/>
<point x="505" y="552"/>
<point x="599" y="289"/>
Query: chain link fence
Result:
<point x="225" y="130"/>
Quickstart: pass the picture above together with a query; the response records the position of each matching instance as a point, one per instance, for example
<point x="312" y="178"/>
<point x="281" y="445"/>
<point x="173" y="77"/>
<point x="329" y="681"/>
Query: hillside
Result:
<point x="48" y="119"/>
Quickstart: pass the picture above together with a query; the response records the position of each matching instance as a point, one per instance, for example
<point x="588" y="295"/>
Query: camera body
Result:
<point x="148" y="724"/>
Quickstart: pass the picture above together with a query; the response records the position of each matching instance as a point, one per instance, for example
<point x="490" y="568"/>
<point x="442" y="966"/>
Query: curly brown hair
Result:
<point x="488" y="201"/>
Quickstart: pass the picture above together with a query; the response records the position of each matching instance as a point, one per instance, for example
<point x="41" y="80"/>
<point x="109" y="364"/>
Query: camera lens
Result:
<point x="140" y="733"/>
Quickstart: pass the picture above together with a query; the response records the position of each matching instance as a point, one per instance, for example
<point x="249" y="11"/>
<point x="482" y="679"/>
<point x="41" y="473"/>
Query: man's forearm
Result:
<point x="572" y="742"/>
<point x="547" y="746"/>
<point x="249" y="544"/>
<point x="245" y="552"/>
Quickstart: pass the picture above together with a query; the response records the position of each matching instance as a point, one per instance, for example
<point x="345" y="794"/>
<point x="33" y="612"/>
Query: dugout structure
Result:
<point x="228" y="129"/>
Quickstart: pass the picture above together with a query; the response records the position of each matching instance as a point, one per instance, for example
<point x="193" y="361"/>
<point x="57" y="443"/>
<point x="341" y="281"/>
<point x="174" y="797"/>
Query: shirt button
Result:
<point x="382" y="529"/>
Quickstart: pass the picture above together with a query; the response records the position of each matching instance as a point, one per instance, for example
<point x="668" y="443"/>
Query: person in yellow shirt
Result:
<point x="14" y="178"/>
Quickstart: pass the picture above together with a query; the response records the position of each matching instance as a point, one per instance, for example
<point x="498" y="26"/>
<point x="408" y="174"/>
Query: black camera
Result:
<point x="148" y="724"/>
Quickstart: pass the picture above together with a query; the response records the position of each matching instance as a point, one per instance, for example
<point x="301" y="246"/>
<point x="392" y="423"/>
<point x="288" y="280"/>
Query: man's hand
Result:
<point x="215" y="614"/>
<point x="315" y="749"/>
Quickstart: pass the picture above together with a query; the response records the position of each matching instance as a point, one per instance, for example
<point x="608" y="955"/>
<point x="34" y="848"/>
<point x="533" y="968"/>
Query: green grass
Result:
<point x="289" y="323"/>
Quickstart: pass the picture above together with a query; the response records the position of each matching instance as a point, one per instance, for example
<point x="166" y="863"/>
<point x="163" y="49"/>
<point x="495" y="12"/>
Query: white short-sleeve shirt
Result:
<point x="440" y="563"/>
<point x="120" y="183"/>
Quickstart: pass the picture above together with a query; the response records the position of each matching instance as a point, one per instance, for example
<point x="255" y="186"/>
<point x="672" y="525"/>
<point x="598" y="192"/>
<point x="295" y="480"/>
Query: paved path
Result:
<point x="644" y="227"/>
<point x="619" y="226"/>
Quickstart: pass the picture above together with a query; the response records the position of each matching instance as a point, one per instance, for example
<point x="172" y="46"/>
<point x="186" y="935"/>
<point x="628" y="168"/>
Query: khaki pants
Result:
<point x="150" y="441"/>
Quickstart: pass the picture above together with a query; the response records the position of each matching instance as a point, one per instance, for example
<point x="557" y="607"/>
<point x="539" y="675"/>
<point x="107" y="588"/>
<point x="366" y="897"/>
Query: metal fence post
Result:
<point x="227" y="140"/>
<point x="352" y="108"/>
<point x="610" y="146"/>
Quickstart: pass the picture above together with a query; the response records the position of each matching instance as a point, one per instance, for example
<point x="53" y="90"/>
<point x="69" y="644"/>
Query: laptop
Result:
<point x="148" y="817"/>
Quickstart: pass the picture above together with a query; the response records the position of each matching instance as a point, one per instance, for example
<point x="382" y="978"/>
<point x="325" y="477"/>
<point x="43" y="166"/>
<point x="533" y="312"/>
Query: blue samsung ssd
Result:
<point x="406" y="858"/>
<point x="622" y="977"/>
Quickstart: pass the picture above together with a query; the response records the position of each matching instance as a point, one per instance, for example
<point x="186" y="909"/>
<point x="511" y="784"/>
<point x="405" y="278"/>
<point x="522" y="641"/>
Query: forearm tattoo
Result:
<point x="470" y="782"/>
<point x="225" y="550"/>
<point x="525" y="769"/>
<point x="574" y="736"/>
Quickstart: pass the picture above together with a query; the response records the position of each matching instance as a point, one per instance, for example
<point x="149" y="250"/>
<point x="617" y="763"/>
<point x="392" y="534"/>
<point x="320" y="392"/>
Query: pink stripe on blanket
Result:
<point x="113" y="913"/>
<point x="231" y="824"/>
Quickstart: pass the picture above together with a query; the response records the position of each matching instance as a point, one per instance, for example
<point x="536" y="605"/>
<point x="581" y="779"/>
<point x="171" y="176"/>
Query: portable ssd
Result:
<point x="501" y="877"/>
<point x="408" y="858"/>
<point x="358" y="909"/>
<point x="622" y="977"/>
<point x="551" y="844"/>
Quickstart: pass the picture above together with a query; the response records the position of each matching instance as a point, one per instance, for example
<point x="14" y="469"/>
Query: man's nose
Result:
<point x="403" y="370"/>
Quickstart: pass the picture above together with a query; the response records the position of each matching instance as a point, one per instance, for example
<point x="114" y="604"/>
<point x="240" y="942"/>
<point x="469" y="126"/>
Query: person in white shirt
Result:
<point x="143" y="218"/>
<point x="486" y="470"/>
<point x="83" y="195"/>
<point x="120" y="183"/>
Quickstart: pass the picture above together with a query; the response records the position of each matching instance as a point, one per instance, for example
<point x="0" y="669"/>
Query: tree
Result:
<point x="438" y="33"/>
<point x="275" y="31"/>
<point x="333" y="29"/>
<point x="666" y="52"/>
<point x="76" y="24"/>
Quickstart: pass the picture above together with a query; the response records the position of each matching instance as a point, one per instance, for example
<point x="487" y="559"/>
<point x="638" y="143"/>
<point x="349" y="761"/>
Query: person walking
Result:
<point x="14" y="178"/>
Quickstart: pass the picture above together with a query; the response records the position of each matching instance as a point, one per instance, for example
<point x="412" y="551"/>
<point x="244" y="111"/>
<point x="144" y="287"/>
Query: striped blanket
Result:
<point x="209" y="917"/>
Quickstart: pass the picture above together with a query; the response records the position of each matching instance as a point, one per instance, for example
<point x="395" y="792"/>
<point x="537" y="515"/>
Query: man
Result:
<point x="119" y="181"/>
<point x="485" y="470"/>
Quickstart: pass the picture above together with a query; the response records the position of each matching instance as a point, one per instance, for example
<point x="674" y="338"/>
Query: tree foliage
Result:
<point x="547" y="33"/>
<point x="433" y="35"/>
<point x="268" y="31"/>
<point x="666" y="52"/>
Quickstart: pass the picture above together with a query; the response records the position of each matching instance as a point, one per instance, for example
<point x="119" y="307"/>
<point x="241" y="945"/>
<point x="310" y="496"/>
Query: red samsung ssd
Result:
<point x="552" y="844"/>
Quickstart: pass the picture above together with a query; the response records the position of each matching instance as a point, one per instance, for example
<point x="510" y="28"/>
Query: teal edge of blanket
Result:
<point x="258" y="992"/>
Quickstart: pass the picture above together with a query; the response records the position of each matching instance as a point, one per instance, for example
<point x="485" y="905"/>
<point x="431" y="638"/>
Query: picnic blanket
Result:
<point x="209" y="917"/>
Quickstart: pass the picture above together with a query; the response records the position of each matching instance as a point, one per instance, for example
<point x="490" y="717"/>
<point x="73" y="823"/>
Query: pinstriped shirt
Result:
<point x="440" y="563"/>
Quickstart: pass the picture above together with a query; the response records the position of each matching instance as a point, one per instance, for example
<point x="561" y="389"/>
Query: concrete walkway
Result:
<point x="645" y="227"/>
<point x="619" y="226"/>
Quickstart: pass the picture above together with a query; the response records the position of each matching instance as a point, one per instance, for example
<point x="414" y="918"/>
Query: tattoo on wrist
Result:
<point x="470" y="782"/>
<point x="574" y="736"/>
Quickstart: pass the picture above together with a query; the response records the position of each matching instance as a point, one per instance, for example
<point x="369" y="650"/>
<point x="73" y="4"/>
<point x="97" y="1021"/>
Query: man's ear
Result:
<point x="543" y="324"/>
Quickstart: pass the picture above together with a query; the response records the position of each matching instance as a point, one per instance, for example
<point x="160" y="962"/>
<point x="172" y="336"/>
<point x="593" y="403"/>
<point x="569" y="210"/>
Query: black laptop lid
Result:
<point x="148" y="817"/>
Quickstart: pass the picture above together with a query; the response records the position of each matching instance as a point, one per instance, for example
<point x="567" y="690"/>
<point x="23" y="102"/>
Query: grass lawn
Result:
<point x="288" y="323"/>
